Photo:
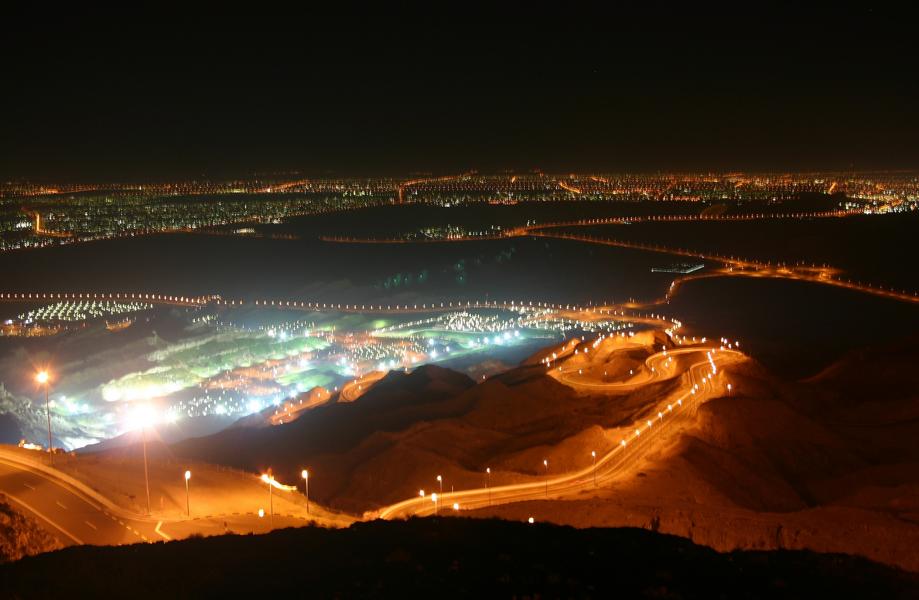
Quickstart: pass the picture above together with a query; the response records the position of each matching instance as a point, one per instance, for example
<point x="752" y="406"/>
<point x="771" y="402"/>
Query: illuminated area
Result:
<point x="81" y="311"/>
<point x="225" y="363"/>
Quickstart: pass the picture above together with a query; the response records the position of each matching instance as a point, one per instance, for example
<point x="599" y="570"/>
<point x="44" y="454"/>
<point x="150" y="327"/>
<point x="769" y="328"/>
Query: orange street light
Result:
<point x="187" y="504"/>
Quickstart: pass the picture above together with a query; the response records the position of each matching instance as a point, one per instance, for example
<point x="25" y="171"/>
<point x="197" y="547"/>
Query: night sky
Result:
<point x="151" y="95"/>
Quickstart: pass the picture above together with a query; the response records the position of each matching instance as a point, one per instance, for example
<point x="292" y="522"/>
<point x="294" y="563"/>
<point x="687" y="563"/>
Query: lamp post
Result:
<point x="434" y="500"/>
<point x="545" y="463"/>
<point x="593" y="454"/>
<point x="270" y="498"/>
<point x="143" y="435"/>
<point x="43" y="379"/>
<point x="306" y="485"/>
<point x="488" y="487"/>
<point x="440" y="480"/>
<point x="187" y="504"/>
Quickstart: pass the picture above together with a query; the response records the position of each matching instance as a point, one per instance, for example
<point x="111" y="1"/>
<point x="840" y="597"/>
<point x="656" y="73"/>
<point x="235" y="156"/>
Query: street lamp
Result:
<point x="545" y="463"/>
<point x="593" y="454"/>
<point x="143" y="416"/>
<point x="269" y="478"/>
<point x="434" y="500"/>
<point x="487" y="487"/>
<point x="440" y="480"/>
<point x="187" y="504"/>
<point x="43" y="378"/>
<point x="306" y="484"/>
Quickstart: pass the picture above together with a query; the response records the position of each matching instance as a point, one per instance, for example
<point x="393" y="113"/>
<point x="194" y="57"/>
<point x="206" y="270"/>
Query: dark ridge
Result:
<point x="394" y="403"/>
<point x="448" y="558"/>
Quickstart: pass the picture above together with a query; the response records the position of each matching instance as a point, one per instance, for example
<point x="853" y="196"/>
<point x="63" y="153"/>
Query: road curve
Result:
<point x="700" y="386"/>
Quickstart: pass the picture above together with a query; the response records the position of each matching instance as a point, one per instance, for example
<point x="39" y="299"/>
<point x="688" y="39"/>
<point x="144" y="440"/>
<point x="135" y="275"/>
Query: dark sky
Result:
<point x="153" y="95"/>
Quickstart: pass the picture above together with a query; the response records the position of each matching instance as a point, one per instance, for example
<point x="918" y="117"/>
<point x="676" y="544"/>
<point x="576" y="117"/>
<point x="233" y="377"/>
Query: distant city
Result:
<point x="36" y="215"/>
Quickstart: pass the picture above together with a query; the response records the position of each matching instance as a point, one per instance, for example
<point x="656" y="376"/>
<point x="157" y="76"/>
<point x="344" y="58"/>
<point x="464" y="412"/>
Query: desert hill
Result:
<point x="394" y="439"/>
<point x="822" y="464"/>
<point x="394" y="402"/>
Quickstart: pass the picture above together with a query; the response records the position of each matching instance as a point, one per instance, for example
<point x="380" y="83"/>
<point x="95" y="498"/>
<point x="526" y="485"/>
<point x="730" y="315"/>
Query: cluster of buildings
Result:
<point x="34" y="215"/>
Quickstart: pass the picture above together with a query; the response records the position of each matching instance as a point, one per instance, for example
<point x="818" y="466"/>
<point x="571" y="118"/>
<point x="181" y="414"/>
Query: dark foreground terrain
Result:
<point x="448" y="557"/>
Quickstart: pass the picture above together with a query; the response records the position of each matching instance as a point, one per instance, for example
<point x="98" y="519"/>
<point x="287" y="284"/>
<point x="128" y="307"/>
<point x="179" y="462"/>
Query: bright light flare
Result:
<point x="42" y="377"/>
<point x="276" y="484"/>
<point x="141" y="417"/>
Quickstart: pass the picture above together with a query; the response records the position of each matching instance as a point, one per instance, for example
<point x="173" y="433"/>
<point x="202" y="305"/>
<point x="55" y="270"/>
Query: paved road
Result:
<point x="700" y="385"/>
<point x="67" y="514"/>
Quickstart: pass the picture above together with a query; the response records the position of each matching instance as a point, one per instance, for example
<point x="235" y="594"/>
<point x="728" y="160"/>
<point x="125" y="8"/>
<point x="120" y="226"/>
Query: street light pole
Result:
<point x="48" y="410"/>
<point x="270" y="498"/>
<point x="545" y="463"/>
<point x="593" y="453"/>
<point x="488" y="487"/>
<point x="143" y="434"/>
<point x="43" y="379"/>
<point x="306" y="484"/>
<point x="187" y="503"/>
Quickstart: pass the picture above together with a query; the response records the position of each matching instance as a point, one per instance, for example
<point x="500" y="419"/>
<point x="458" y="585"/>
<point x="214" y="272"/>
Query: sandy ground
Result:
<point x="213" y="491"/>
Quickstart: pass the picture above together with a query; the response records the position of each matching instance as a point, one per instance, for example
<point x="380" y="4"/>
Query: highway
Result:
<point x="733" y="266"/>
<point x="75" y="514"/>
<point x="579" y="312"/>
<point x="72" y="517"/>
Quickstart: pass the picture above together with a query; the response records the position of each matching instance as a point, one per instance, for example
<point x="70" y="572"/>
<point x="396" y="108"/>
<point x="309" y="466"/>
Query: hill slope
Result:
<point x="448" y="558"/>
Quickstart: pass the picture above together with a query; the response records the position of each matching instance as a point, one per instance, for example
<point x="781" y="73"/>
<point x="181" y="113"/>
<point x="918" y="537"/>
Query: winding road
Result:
<point x="703" y="380"/>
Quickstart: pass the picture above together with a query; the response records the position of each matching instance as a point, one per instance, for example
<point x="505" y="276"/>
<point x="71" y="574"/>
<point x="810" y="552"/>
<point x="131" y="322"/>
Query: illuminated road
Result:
<point x="577" y="311"/>
<point x="700" y="385"/>
<point x="734" y="266"/>
<point x="356" y="388"/>
<point x="75" y="514"/>
<point x="737" y="267"/>
<point x="658" y="367"/>
<point x="71" y="516"/>
<point x="537" y="227"/>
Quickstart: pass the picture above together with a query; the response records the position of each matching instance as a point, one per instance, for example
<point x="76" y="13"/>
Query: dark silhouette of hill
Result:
<point x="408" y="428"/>
<point x="393" y="403"/>
<point x="448" y="558"/>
